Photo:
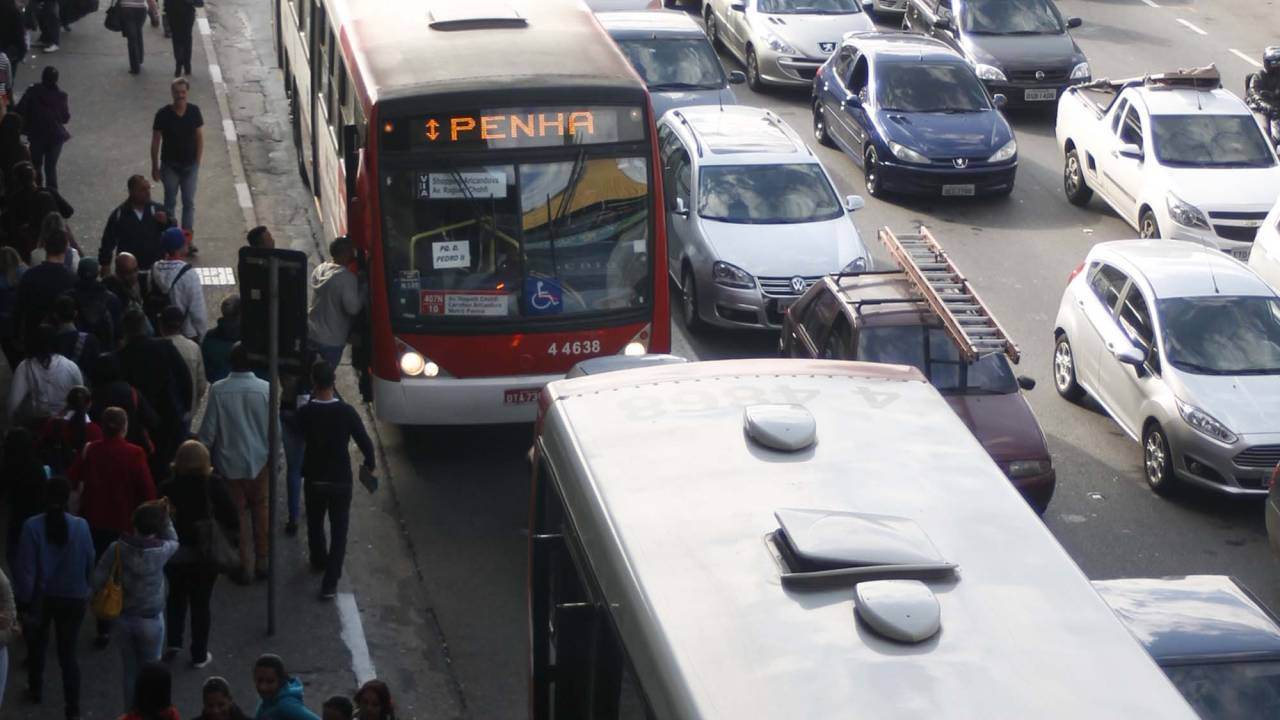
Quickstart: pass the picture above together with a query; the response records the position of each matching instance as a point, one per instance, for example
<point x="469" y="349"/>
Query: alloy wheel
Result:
<point x="1063" y="367"/>
<point x="1148" y="228"/>
<point x="871" y="171"/>
<point x="1156" y="458"/>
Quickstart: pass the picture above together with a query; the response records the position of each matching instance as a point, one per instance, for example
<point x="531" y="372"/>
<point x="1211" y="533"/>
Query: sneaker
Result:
<point x="328" y="594"/>
<point x="208" y="658"/>
<point x="291" y="528"/>
<point x="52" y="48"/>
<point x="170" y="653"/>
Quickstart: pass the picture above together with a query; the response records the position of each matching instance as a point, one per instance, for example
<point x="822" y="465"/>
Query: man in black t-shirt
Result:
<point x="177" y="146"/>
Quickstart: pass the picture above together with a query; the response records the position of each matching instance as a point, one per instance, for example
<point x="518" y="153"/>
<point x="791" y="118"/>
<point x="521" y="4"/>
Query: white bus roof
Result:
<point x="674" y="506"/>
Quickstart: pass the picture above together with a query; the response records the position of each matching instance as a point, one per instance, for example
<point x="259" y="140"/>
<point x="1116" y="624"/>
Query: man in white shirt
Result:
<point x="175" y="277"/>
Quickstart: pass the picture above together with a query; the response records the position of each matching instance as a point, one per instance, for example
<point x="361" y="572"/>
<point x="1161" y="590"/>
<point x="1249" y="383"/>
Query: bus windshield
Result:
<point x="499" y="242"/>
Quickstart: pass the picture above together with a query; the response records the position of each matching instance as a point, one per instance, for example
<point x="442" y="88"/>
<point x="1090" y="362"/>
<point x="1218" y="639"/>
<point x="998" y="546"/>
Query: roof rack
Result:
<point x="1201" y="78"/>
<point x="964" y="316"/>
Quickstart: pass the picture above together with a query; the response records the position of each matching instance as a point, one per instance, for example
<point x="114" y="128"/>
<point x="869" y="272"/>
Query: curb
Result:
<point x="243" y="197"/>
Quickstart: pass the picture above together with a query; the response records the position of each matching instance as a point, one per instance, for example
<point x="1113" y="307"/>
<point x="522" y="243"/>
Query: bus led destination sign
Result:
<point x="531" y="127"/>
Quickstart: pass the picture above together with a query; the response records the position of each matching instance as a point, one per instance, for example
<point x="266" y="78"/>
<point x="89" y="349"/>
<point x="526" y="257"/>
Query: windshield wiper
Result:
<point x="1183" y="364"/>
<point x="683" y="86"/>
<point x="1257" y="371"/>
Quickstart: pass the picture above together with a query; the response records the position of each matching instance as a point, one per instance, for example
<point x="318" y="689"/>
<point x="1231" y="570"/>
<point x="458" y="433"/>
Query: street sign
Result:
<point x="255" y="286"/>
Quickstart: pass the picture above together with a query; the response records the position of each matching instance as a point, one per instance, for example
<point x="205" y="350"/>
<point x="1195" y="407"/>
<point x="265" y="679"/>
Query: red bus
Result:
<point x="497" y="163"/>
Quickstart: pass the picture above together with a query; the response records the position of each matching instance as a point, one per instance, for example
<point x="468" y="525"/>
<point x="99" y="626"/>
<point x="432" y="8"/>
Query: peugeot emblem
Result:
<point x="961" y="162"/>
<point x="797" y="284"/>
<point x="827" y="47"/>
<point x="1039" y="74"/>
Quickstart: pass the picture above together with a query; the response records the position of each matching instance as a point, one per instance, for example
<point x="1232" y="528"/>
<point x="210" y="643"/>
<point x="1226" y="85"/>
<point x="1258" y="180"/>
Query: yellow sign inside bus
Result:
<point x="579" y="125"/>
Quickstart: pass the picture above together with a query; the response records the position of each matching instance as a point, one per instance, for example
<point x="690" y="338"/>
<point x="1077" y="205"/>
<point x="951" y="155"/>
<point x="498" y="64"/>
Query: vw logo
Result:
<point x="827" y="47"/>
<point x="1039" y="74"/>
<point x="961" y="162"/>
<point x="797" y="284"/>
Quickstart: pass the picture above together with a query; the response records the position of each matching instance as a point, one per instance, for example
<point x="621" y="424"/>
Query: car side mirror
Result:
<point x="1074" y="22"/>
<point x="1131" y="151"/>
<point x="737" y="77"/>
<point x="852" y="101"/>
<point x="1026" y="383"/>
<point x="854" y="203"/>
<point x="999" y="100"/>
<point x="943" y="24"/>
<point x="681" y="209"/>
<point x="869" y="6"/>
<point x="1130" y="354"/>
<point x="738" y="7"/>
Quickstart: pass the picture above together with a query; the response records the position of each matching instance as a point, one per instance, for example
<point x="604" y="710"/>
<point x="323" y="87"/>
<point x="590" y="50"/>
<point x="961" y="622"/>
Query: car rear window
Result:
<point x="1230" y="691"/>
<point x="937" y="357"/>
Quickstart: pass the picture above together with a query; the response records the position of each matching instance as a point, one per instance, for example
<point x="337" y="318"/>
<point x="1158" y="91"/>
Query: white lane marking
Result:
<point x="242" y="194"/>
<point x="203" y="24"/>
<point x="229" y="129"/>
<point x="1151" y="3"/>
<point x="1244" y="57"/>
<point x="353" y="636"/>
<point x="1191" y="27"/>
<point x="215" y="73"/>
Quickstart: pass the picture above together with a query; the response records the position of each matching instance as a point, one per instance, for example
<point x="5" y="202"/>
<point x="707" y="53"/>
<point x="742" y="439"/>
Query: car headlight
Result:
<point x="1205" y="423"/>
<point x="777" y="44"/>
<point x="634" y="349"/>
<point x="731" y="276"/>
<point x="1005" y="153"/>
<point x="1186" y="214"/>
<point x="902" y="152"/>
<point x="858" y="265"/>
<point x="1081" y="72"/>
<point x="1028" y="468"/>
<point x="989" y="72"/>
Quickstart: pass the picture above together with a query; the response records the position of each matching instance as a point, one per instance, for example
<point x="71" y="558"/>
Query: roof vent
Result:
<point x="787" y="428"/>
<point x="822" y="547"/>
<point x="902" y="610"/>
<point x="476" y="16"/>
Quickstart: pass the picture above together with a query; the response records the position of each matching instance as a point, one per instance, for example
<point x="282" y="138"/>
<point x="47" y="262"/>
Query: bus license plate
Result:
<point x="1040" y="95"/>
<point x="1240" y="253"/>
<point x="520" y="396"/>
<point x="957" y="190"/>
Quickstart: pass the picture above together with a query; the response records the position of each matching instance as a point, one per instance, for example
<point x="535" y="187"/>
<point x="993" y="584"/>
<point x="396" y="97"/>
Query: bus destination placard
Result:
<point x="528" y="127"/>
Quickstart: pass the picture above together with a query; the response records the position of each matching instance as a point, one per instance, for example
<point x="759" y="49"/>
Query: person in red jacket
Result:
<point x="114" y="480"/>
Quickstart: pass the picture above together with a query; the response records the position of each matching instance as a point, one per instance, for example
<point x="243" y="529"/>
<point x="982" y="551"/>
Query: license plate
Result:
<point x="957" y="190"/>
<point x="1240" y="253"/>
<point x="520" y="396"/>
<point x="1040" y="95"/>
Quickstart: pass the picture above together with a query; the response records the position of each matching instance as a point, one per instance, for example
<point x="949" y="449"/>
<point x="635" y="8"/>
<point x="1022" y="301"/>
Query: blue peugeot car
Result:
<point x="915" y="116"/>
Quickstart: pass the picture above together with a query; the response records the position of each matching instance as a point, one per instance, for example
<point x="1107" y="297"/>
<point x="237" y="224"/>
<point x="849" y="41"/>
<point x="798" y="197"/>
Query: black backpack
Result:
<point x="157" y="300"/>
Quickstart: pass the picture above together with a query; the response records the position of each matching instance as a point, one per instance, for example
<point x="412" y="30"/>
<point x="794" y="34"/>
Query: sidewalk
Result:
<point x="111" y="128"/>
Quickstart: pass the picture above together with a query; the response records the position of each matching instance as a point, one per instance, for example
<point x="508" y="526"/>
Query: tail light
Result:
<point x="1275" y="477"/>
<point x="1074" y="273"/>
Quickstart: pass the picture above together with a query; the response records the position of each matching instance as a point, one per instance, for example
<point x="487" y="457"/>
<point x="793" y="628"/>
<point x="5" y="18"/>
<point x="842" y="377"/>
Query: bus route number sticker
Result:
<point x="470" y="304"/>
<point x="450" y="254"/>
<point x="446" y="186"/>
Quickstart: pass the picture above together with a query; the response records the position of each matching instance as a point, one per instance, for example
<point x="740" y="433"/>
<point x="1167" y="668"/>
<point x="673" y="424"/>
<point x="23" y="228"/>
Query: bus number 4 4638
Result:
<point x="578" y="347"/>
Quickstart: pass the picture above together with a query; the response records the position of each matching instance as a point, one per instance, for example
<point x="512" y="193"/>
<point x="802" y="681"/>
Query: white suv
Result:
<point x="753" y="218"/>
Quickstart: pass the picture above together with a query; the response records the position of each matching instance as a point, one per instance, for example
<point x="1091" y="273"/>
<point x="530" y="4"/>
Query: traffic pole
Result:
<point x="273" y="431"/>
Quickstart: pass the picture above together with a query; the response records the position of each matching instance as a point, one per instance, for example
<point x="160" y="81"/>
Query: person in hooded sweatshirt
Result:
<point x="336" y="300"/>
<point x="281" y="695"/>
<point x="142" y="555"/>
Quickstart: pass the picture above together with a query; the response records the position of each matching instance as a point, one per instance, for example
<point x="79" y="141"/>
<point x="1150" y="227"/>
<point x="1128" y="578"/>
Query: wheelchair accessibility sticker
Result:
<point x="542" y="296"/>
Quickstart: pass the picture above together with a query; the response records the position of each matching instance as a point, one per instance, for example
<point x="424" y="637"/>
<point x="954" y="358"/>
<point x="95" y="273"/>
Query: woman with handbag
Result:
<point x="41" y="383"/>
<point x="205" y="518"/>
<point x="131" y="15"/>
<point x="51" y="580"/>
<point x="132" y="568"/>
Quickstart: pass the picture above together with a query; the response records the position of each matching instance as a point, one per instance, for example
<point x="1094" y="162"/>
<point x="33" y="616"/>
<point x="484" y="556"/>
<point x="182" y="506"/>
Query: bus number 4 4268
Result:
<point x="578" y="347"/>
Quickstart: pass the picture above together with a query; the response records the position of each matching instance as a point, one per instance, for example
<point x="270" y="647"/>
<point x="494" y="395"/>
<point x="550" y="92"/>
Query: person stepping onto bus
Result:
<point x="335" y="302"/>
<point x="328" y="426"/>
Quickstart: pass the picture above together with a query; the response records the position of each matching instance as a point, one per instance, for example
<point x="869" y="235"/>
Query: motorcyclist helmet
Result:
<point x="1271" y="59"/>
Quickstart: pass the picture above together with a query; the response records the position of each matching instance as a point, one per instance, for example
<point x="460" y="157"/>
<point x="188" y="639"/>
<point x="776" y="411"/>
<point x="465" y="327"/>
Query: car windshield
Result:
<point x="796" y="193"/>
<point x="1210" y="141"/>
<point x="1010" y="17"/>
<point x="937" y="357"/>
<point x="1230" y="690"/>
<point x="674" y="64"/>
<point x="809" y="7"/>
<point x="913" y="87"/>
<point x="1222" y="335"/>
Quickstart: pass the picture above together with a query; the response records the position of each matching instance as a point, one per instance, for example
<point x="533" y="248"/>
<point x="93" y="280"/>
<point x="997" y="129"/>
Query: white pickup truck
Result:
<point x="1176" y="155"/>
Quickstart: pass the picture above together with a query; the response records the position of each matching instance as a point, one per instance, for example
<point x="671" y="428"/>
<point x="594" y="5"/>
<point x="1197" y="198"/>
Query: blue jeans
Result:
<point x="141" y="641"/>
<point x="180" y="178"/>
<point x="294" y="446"/>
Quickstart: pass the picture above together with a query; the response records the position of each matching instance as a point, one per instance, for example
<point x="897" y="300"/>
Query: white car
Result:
<point x="1265" y="257"/>
<point x="1175" y="155"/>
<point x="782" y="42"/>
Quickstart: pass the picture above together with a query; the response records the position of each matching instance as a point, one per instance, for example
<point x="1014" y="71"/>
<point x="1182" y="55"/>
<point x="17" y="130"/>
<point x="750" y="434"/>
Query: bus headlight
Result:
<point x="634" y="349"/>
<point x="413" y="364"/>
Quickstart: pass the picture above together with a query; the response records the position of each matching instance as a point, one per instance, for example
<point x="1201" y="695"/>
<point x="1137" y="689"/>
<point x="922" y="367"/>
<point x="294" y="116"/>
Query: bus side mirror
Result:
<point x="351" y="157"/>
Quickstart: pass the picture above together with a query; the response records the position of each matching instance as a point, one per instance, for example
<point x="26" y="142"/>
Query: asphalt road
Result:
<point x="468" y="502"/>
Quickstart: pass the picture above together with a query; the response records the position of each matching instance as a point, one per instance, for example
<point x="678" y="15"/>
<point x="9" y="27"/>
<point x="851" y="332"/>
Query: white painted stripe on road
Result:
<point x="1244" y="57"/>
<point x="229" y="130"/>
<point x="1151" y="3"/>
<point x="203" y="24"/>
<point x="1193" y="28"/>
<point x="242" y="194"/>
<point x="215" y="73"/>
<point x="353" y="636"/>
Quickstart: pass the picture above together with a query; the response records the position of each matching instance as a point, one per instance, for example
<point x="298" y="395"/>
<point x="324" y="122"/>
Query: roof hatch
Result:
<point x="820" y="547"/>
<point x="788" y="428"/>
<point x="903" y="610"/>
<point x="476" y="16"/>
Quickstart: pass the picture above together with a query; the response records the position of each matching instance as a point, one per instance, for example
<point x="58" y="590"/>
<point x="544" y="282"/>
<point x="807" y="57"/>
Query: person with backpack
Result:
<point x="46" y="112"/>
<point x="23" y="477"/>
<point x="171" y="321"/>
<point x="217" y="343"/>
<point x="41" y="383"/>
<point x="114" y="481"/>
<point x="197" y="496"/>
<point x="69" y="341"/>
<point x="99" y="310"/>
<point x="40" y="285"/>
<point x="156" y="369"/>
<point x="135" y="227"/>
<point x="174" y="282"/>
<point x="111" y="390"/>
<point x="51" y="578"/>
<point x="125" y="283"/>
<point x="63" y="438"/>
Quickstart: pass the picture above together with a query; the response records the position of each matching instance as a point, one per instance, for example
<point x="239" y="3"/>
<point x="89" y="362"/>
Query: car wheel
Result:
<point x="713" y="32"/>
<point x="1157" y="460"/>
<point x="871" y="173"/>
<point x="1147" y="225"/>
<point x="1064" y="371"/>
<point x="689" y="302"/>
<point x="820" y="125"/>
<point x="753" y="71"/>
<point x="1073" y="183"/>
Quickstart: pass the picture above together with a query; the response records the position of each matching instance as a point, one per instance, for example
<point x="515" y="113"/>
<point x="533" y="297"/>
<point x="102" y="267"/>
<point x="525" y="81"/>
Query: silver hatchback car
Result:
<point x="1180" y="344"/>
<point x="753" y="219"/>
